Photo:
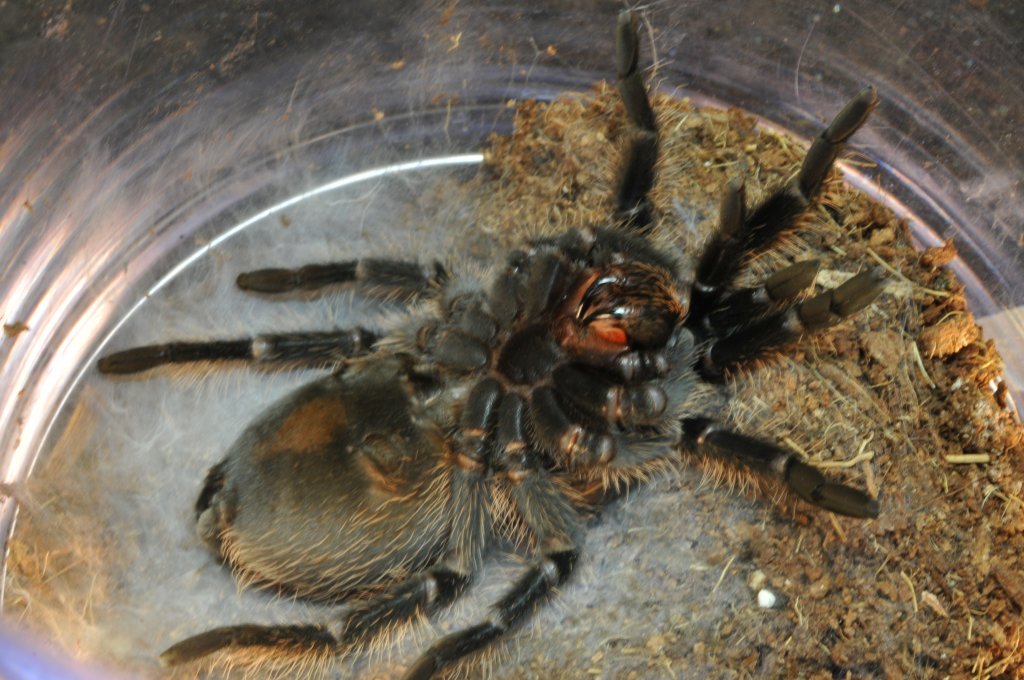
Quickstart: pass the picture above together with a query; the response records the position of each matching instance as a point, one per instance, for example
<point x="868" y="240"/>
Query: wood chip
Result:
<point x="949" y="337"/>
<point x="939" y="256"/>
<point x="13" y="329"/>
<point x="1011" y="581"/>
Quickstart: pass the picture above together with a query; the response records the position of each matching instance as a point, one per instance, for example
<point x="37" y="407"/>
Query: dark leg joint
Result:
<point x="711" y="438"/>
<point x="436" y="588"/>
<point x="212" y="485"/>
<point x="450" y="585"/>
<point x="565" y="563"/>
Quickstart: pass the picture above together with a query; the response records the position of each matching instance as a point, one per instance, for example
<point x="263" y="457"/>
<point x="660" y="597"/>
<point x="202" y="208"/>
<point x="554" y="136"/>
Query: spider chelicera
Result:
<point x="510" y="404"/>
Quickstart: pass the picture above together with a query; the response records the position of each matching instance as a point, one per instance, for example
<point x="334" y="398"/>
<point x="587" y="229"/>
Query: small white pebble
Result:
<point x="765" y="598"/>
<point x="836" y="8"/>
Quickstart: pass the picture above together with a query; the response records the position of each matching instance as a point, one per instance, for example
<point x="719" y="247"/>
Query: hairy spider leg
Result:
<point x="709" y="438"/>
<point x="636" y="176"/>
<point x="742" y="234"/>
<point x="406" y="280"/>
<point x="545" y="508"/>
<point x="550" y="570"/>
<point x="316" y="348"/>
<point x="400" y="276"/>
<point x="742" y="324"/>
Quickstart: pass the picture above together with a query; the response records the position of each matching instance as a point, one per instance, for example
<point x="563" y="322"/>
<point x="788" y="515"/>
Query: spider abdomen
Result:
<point x="303" y="497"/>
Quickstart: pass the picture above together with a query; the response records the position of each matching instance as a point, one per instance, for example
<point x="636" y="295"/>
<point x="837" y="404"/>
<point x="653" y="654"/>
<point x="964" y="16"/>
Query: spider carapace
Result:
<point x="510" y="403"/>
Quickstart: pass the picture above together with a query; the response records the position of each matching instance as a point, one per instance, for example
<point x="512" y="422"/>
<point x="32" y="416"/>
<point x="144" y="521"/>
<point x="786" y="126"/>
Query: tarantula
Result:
<point x="516" y="402"/>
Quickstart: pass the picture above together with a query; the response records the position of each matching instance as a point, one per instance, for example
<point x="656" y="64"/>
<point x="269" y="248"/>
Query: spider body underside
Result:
<point x="508" y="406"/>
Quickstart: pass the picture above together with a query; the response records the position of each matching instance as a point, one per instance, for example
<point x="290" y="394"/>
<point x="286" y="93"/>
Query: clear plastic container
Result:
<point x="137" y="142"/>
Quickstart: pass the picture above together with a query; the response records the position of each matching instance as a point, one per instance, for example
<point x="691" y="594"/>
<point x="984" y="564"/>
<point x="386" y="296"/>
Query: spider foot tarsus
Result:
<point x="709" y="438"/>
<point x="810" y="484"/>
<point x="633" y="208"/>
<point x="298" y="639"/>
<point x="631" y="84"/>
<point x="138" y="359"/>
<point x="832" y="306"/>
<point x="825" y="148"/>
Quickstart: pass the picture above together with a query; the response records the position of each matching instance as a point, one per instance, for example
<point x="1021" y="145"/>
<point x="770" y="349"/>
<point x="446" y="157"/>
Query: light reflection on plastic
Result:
<point x="24" y="659"/>
<point x="19" y="463"/>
